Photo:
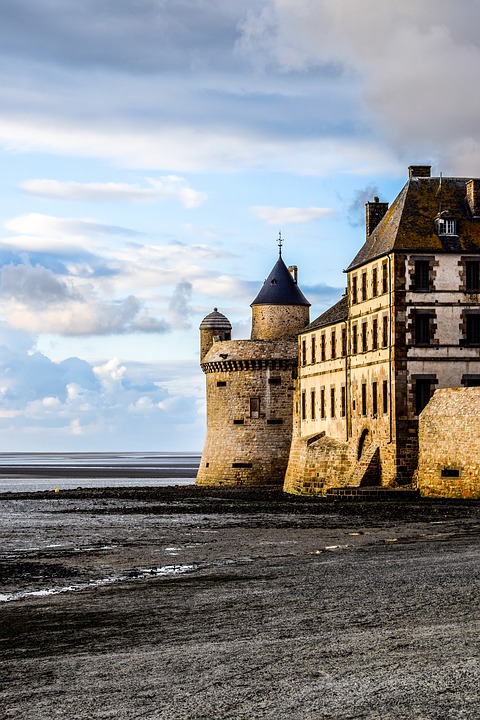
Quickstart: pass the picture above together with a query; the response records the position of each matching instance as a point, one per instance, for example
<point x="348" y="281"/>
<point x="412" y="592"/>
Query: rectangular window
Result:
<point x="254" y="407"/>
<point x="304" y="405"/>
<point x="364" y="286"/>
<point x="423" y="393"/>
<point x="312" y="404"/>
<point x="343" y="401"/>
<point x="332" y="402"/>
<point x="322" y="345"/>
<point x="374" y="399"/>
<point x="375" y="334"/>
<point x="374" y="282"/>
<point x="354" y="340"/>
<point x="364" y="399"/>
<point x="472" y="272"/>
<point x="385" y="396"/>
<point x="314" y="349"/>
<point x="473" y="329"/>
<point x="364" y="337"/>
<point x="422" y="328"/>
<point x="385" y="331"/>
<point x="334" y="345"/>
<point x="221" y="383"/>
<point x="422" y="276"/>
<point x="274" y="381"/>
<point x="344" y="342"/>
<point x="384" y="278"/>
<point x="354" y="290"/>
<point x="304" y="352"/>
<point x="322" y="403"/>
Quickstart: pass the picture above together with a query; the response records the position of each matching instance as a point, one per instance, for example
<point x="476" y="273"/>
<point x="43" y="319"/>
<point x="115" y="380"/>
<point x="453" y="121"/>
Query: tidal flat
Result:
<point x="183" y="603"/>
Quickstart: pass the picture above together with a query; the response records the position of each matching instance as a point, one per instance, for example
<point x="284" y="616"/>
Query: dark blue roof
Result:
<point x="280" y="288"/>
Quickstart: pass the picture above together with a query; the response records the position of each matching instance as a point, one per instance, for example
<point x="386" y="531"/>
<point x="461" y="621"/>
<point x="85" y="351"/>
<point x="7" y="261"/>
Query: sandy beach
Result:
<point x="184" y="602"/>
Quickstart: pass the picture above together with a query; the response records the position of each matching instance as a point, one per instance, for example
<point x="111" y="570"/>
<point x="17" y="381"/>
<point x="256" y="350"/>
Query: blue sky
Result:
<point x="151" y="151"/>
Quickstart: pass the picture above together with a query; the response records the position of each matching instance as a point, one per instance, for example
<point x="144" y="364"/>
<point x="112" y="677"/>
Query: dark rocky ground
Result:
<point x="185" y="602"/>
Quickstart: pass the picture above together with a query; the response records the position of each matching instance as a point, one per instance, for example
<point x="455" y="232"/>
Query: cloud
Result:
<point x="179" y="306"/>
<point x="157" y="189"/>
<point x="283" y="216"/>
<point x="356" y="209"/>
<point x="73" y="404"/>
<point x="36" y="301"/>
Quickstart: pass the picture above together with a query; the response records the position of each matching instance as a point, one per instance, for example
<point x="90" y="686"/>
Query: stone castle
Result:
<point x="348" y="401"/>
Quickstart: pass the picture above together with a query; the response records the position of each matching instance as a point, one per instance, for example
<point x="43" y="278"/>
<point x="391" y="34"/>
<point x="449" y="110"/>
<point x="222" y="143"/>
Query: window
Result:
<point x="322" y="346"/>
<point x="374" y="399"/>
<point x="312" y="404"/>
<point x="332" y="402"/>
<point x="322" y="403"/>
<point x="304" y="352"/>
<point x="254" y="407"/>
<point x="385" y="331"/>
<point x="314" y="349"/>
<point x="364" y="399"/>
<point x="446" y="226"/>
<point x="422" y="276"/>
<point x="423" y="393"/>
<point x="343" y="401"/>
<point x="374" y="282"/>
<point x="364" y="286"/>
<point x="422" y="328"/>
<point x="334" y="345"/>
<point x="221" y="383"/>
<point x="471" y="380"/>
<point x="385" y="396"/>
<point x="472" y="273"/>
<point x="274" y="381"/>
<point x="354" y="340"/>
<point x="344" y="342"/>
<point x="374" y="334"/>
<point x="354" y="290"/>
<point x="473" y="329"/>
<point x="304" y="405"/>
<point x="384" y="278"/>
<point x="364" y="337"/>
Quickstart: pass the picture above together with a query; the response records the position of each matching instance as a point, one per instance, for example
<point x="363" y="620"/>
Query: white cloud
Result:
<point x="157" y="189"/>
<point x="286" y="215"/>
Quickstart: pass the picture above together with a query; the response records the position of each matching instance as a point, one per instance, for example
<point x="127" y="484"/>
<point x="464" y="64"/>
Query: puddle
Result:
<point x="135" y="574"/>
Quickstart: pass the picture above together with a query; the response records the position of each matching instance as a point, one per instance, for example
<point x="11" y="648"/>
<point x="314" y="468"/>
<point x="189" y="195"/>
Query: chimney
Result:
<point x="293" y="270"/>
<point x="374" y="212"/>
<point x="473" y="196"/>
<point x="422" y="171"/>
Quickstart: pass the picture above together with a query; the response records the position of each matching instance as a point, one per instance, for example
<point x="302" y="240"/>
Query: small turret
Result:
<point x="214" y="327"/>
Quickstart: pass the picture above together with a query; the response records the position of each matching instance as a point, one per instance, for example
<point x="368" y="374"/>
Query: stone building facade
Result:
<point x="408" y="324"/>
<point x="337" y="402"/>
<point x="250" y="386"/>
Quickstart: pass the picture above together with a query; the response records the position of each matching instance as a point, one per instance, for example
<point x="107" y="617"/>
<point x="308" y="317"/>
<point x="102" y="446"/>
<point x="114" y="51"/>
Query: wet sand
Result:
<point x="186" y="602"/>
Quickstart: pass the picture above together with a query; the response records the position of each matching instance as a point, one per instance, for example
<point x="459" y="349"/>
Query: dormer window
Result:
<point x="446" y="225"/>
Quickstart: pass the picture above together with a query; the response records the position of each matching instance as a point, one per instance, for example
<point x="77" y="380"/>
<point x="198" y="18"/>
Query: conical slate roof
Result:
<point x="280" y="288"/>
<point x="215" y="321"/>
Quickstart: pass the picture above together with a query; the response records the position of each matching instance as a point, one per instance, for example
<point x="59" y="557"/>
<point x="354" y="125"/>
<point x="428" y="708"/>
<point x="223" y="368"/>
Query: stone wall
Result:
<point x="270" y="322"/>
<point x="317" y="463"/>
<point x="449" y="444"/>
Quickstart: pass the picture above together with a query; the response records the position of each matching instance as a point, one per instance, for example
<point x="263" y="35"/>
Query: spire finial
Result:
<point x="280" y="243"/>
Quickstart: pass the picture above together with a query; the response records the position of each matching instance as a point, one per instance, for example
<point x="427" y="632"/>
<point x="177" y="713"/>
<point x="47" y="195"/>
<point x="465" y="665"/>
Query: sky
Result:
<point x="152" y="150"/>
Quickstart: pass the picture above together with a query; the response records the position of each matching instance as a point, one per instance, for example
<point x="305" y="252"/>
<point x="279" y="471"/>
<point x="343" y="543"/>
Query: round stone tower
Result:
<point x="250" y="386"/>
<point x="280" y="307"/>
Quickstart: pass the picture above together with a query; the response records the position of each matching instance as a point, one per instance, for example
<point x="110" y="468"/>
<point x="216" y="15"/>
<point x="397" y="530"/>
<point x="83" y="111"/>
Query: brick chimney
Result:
<point x="374" y="212"/>
<point x="419" y="171"/>
<point x="473" y="196"/>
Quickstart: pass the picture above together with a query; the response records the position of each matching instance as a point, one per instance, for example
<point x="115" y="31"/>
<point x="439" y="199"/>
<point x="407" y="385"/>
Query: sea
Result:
<point x="31" y="472"/>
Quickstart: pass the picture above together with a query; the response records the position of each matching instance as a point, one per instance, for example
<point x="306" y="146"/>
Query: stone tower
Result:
<point x="250" y="386"/>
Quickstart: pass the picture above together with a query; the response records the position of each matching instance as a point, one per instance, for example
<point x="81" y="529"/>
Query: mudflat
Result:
<point x="185" y="602"/>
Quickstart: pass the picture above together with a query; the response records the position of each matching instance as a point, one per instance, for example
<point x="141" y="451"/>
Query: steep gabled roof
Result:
<point x="337" y="313"/>
<point x="409" y="224"/>
<point x="280" y="288"/>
